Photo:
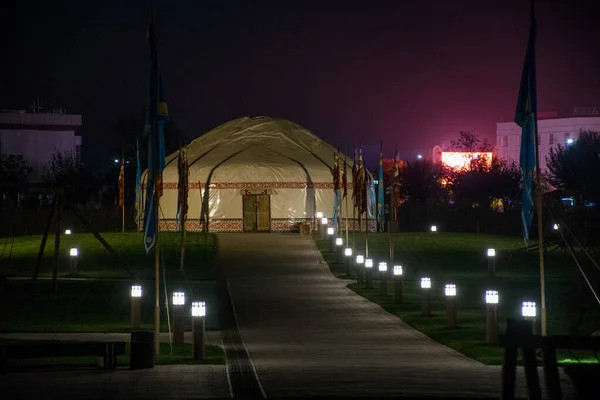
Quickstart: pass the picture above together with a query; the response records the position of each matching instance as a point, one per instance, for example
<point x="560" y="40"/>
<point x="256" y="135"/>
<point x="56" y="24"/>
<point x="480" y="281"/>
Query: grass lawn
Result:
<point x="461" y="259"/>
<point x="182" y="354"/>
<point x="91" y="305"/>
<point x="18" y="258"/>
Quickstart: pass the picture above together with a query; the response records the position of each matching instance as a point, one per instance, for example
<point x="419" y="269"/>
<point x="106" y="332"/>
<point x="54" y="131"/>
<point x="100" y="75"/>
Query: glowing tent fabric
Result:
<point x="253" y="156"/>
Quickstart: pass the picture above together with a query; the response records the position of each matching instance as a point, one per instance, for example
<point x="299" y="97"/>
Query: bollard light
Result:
<point x="397" y="270"/>
<point x="360" y="259"/>
<point x="319" y="214"/>
<point x="74" y="252"/>
<point x="330" y="231"/>
<point x="67" y="232"/>
<point x="382" y="266"/>
<point x="491" y="297"/>
<point x="450" y="290"/>
<point x="178" y="298"/>
<point x="368" y="263"/>
<point x="348" y="252"/>
<point x="425" y="283"/>
<point x="198" y="309"/>
<point x="339" y="241"/>
<point x="528" y="309"/>
<point x="555" y="227"/>
<point x="136" y="291"/>
<point x="324" y="221"/>
<point x="433" y="228"/>
<point x="491" y="252"/>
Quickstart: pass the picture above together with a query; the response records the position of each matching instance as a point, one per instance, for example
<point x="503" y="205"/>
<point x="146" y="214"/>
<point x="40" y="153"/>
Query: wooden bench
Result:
<point x="22" y="350"/>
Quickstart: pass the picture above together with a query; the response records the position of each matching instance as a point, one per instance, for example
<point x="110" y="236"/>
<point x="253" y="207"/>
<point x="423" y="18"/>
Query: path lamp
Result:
<point x="136" y="306"/>
<point x="323" y="227"/>
<point x="360" y="260"/>
<point x="316" y="220"/>
<point x="348" y="254"/>
<point x="73" y="254"/>
<point x="398" y="283"/>
<point x="491" y="254"/>
<point x="426" y="296"/>
<point x="67" y="232"/>
<point x="198" y="316"/>
<point x="369" y="272"/>
<point x="383" y="286"/>
<point x="433" y="228"/>
<point x="330" y="239"/>
<point x="339" y="242"/>
<point x="178" y="316"/>
<point x="491" y="319"/>
<point x="529" y="314"/>
<point x="450" y="292"/>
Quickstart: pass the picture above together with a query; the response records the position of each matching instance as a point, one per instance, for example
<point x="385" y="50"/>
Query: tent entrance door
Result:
<point x="257" y="212"/>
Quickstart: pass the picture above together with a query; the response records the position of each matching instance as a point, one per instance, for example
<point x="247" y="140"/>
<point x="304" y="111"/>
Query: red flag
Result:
<point x="122" y="186"/>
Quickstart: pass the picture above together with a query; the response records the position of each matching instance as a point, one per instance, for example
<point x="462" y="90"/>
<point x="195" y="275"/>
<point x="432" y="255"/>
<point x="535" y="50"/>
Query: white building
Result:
<point x="36" y="136"/>
<point x="552" y="131"/>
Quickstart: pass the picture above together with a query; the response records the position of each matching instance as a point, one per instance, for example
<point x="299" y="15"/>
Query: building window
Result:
<point x="505" y="141"/>
<point x="551" y="138"/>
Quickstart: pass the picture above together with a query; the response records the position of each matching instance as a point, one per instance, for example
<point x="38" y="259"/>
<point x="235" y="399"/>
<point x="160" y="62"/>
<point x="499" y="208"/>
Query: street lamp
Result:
<point x="73" y="253"/>
<point x="491" y="318"/>
<point x="178" y="317"/>
<point x="369" y="272"/>
<point x="450" y="292"/>
<point x="67" y="232"/>
<point x="136" y="306"/>
<point x="198" y="316"/>
<point x="491" y="253"/>
<point x="425" y="296"/>
<point x="360" y="260"/>
<point x="433" y="228"/>
<point x="383" y="278"/>
<point x="398" y="283"/>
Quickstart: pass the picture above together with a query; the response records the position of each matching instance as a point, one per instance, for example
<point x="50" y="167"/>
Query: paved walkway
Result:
<point x="308" y="335"/>
<point x="160" y="382"/>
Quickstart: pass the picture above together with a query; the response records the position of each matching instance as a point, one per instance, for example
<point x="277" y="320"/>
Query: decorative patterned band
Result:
<point x="255" y="185"/>
<point x="277" y="225"/>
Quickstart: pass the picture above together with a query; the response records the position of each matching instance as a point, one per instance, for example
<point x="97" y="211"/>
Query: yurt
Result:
<point x="256" y="174"/>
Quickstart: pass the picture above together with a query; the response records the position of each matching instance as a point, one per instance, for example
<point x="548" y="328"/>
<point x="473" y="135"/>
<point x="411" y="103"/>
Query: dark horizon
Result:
<point x="405" y="74"/>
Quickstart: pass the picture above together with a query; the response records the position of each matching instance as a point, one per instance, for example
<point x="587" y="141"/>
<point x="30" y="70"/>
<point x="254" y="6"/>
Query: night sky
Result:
<point x="410" y="74"/>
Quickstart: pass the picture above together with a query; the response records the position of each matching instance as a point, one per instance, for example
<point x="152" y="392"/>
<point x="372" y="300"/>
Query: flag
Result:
<point x="345" y="179"/>
<point x="122" y="186"/>
<point x="380" y="191"/>
<point x="337" y="200"/>
<point x="138" y="183"/>
<point x="361" y="185"/>
<point x="182" y="193"/>
<point x="354" y="179"/>
<point x="156" y="116"/>
<point x="525" y="115"/>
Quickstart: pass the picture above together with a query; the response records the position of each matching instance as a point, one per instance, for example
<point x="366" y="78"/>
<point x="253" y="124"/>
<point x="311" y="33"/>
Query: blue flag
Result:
<point x="380" y="193"/>
<point x="156" y="116"/>
<point x="525" y="117"/>
<point x="337" y="197"/>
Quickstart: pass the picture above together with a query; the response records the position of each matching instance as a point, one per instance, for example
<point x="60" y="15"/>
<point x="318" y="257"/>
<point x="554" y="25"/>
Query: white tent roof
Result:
<point x="257" y="149"/>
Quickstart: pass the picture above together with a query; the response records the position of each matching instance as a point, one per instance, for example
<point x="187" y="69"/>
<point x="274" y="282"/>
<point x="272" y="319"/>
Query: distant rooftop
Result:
<point x="54" y="118"/>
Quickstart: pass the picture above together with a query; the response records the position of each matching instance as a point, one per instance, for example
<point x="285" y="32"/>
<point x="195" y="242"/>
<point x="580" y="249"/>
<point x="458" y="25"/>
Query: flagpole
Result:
<point x="538" y="179"/>
<point x="156" y="276"/>
<point x="346" y="192"/>
<point x="123" y="205"/>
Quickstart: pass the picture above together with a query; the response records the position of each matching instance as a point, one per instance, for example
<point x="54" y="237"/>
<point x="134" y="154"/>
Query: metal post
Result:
<point x="136" y="312"/>
<point x="426" y="302"/>
<point x="383" y="285"/>
<point x="491" y="324"/>
<point x="398" y="289"/>
<point x="178" y="323"/>
<point x="198" y="334"/>
<point x="451" y="311"/>
<point x="73" y="265"/>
